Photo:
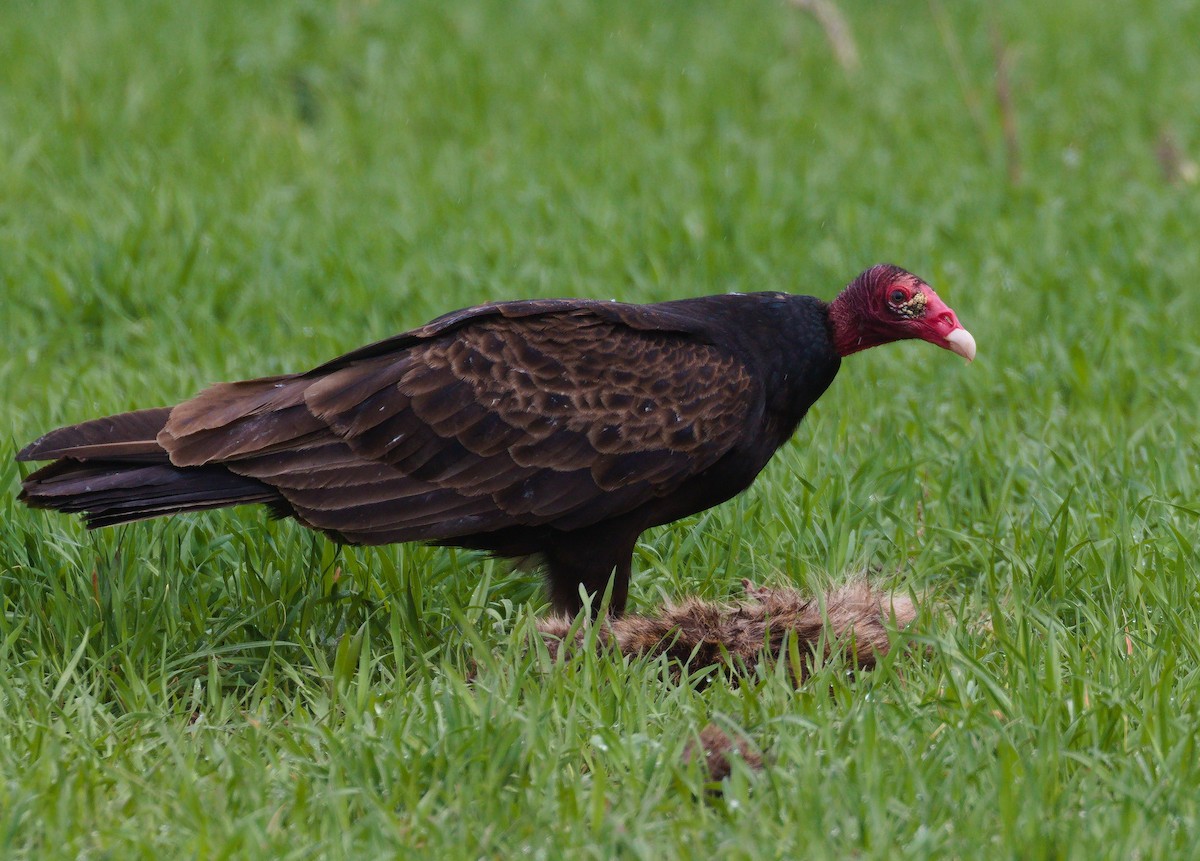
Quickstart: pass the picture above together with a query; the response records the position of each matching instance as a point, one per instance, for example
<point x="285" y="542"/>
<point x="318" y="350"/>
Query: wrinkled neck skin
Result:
<point x="846" y="319"/>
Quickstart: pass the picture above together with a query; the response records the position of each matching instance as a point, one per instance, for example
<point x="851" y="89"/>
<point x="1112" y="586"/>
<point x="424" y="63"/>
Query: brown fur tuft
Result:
<point x="850" y="619"/>
<point x="719" y="750"/>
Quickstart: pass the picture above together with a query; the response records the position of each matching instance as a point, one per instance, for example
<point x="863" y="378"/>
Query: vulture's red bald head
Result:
<point x="887" y="303"/>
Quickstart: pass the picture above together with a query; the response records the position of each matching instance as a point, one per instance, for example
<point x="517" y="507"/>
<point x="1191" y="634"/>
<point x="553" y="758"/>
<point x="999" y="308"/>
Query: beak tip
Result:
<point x="961" y="342"/>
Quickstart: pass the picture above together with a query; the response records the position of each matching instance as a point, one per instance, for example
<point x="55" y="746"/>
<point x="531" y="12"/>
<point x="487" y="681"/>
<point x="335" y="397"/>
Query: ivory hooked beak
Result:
<point x="961" y="342"/>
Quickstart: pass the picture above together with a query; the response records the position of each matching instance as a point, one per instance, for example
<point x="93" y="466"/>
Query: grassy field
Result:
<point x="192" y="192"/>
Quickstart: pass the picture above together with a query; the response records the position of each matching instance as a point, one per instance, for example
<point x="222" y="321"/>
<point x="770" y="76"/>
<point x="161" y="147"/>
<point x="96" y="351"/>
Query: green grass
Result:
<point x="192" y="192"/>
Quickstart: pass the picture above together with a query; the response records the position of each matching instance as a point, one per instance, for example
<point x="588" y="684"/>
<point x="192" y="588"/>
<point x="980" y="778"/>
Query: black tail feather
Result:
<point x="107" y="493"/>
<point x="112" y="470"/>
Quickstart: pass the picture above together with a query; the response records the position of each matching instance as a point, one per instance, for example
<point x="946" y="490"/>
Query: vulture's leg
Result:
<point x="576" y="561"/>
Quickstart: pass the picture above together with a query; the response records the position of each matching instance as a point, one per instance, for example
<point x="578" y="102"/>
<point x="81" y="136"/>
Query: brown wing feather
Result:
<point x="133" y="434"/>
<point x="504" y="418"/>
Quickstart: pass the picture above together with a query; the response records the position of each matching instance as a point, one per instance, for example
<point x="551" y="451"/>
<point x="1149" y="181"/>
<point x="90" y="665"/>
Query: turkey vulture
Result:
<point x="558" y="428"/>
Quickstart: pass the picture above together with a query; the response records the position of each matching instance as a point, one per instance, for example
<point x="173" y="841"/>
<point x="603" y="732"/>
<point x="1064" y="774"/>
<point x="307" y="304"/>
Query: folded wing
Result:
<point x="526" y="414"/>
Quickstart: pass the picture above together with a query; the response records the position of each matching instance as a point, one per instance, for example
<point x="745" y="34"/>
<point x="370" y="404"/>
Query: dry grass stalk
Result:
<point x="837" y="30"/>
<point x="1004" y="103"/>
<point x="1176" y="167"/>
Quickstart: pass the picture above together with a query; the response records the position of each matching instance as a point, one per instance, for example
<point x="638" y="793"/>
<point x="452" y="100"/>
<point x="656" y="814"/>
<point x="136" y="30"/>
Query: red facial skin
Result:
<point x="887" y="303"/>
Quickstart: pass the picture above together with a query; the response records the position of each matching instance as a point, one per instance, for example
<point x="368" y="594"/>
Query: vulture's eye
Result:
<point x="897" y="297"/>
